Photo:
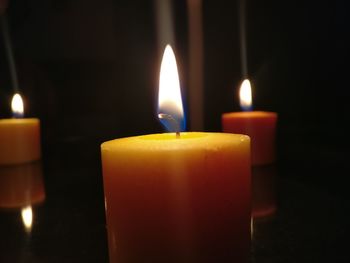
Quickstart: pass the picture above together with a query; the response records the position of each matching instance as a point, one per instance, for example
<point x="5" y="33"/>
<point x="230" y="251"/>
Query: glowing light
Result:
<point x="17" y="106"/>
<point x="170" y="109"/>
<point x="27" y="218"/>
<point x="245" y="95"/>
<point x="251" y="228"/>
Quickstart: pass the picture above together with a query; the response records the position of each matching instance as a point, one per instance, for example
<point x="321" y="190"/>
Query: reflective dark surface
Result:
<point x="309" y="225"/>
<point x="69" y="225"/>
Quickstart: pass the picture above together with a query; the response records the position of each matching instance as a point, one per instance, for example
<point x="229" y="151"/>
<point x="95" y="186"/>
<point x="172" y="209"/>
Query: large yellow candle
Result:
<point x="174" y="199"/>
<point x="19" y="137"/>
<point x="177" y="197"/>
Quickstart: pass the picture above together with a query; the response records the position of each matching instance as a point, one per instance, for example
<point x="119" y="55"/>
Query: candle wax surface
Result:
<point x="181" y="199"/>
<point x="260" y="126"/>
<point x="19" y="141"/>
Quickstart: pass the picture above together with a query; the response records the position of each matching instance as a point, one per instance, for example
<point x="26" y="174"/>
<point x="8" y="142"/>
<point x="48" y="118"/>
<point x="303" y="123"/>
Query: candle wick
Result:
<point x="17" y="115"/>
<point x="170" y="123"/>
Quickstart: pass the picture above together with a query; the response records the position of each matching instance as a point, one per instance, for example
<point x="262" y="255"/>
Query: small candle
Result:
<point x="177" y="197"/>
<point x="259" y="125"/>
<point x="19" y="137"/>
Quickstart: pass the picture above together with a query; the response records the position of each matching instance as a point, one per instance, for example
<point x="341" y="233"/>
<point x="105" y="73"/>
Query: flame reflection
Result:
<point x="27" y="218"/>
<point x="22" y="187"/>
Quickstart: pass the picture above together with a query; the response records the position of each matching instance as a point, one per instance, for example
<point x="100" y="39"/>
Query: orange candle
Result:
<point x="259" y="125"/>
<point x="177" y="197"/>
<point x="19" y="137"/>
<point x="261" y="128"/>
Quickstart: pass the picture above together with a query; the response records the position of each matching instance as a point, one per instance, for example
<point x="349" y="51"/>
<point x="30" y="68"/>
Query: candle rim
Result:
<point x="251" y="114"/>
<point x="169" y="142"/>
<point x="17" y="121"/>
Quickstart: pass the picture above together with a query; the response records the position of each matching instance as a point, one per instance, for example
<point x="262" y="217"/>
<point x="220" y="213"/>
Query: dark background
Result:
<point x="89" y="70"/>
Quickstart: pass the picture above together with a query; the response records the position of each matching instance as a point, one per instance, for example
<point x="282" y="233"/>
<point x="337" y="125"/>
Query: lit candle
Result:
<point x="177" y="197"/>
<point x="259" y="125"/>
<point x="19" y="137"/>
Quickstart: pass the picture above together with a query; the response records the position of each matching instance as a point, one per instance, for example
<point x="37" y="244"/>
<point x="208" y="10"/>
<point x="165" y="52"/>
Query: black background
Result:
<point x="89" y="70"/>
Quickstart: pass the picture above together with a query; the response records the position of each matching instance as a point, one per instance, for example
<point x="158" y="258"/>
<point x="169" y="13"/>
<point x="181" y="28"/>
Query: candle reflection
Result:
<point x="21" y="185"/>
<point x="263" y="191"/>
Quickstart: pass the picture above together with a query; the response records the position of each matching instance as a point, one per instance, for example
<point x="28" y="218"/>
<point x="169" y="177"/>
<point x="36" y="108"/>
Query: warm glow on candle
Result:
<point x="17" y="106"/>
<point x="170" y="109"/>
<point x="245" y="95"/>
<point x="27" y="218"/>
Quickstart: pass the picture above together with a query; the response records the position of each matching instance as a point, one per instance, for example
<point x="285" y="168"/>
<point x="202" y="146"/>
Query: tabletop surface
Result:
<point x="310" y="224"/>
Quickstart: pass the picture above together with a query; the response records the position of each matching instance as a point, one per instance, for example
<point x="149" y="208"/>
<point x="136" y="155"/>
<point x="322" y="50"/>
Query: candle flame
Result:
<point x="170" y="109"/>
<point x="245" y="95"/>
<point x="27" y="218"/>
<point x="17" y="106"/>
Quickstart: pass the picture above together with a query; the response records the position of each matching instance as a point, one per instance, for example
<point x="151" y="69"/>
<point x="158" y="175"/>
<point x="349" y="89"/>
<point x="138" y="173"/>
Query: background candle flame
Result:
<point x="245" y="96"/>
<point x="169" y="97"/>
<point x="17" y="106"/>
